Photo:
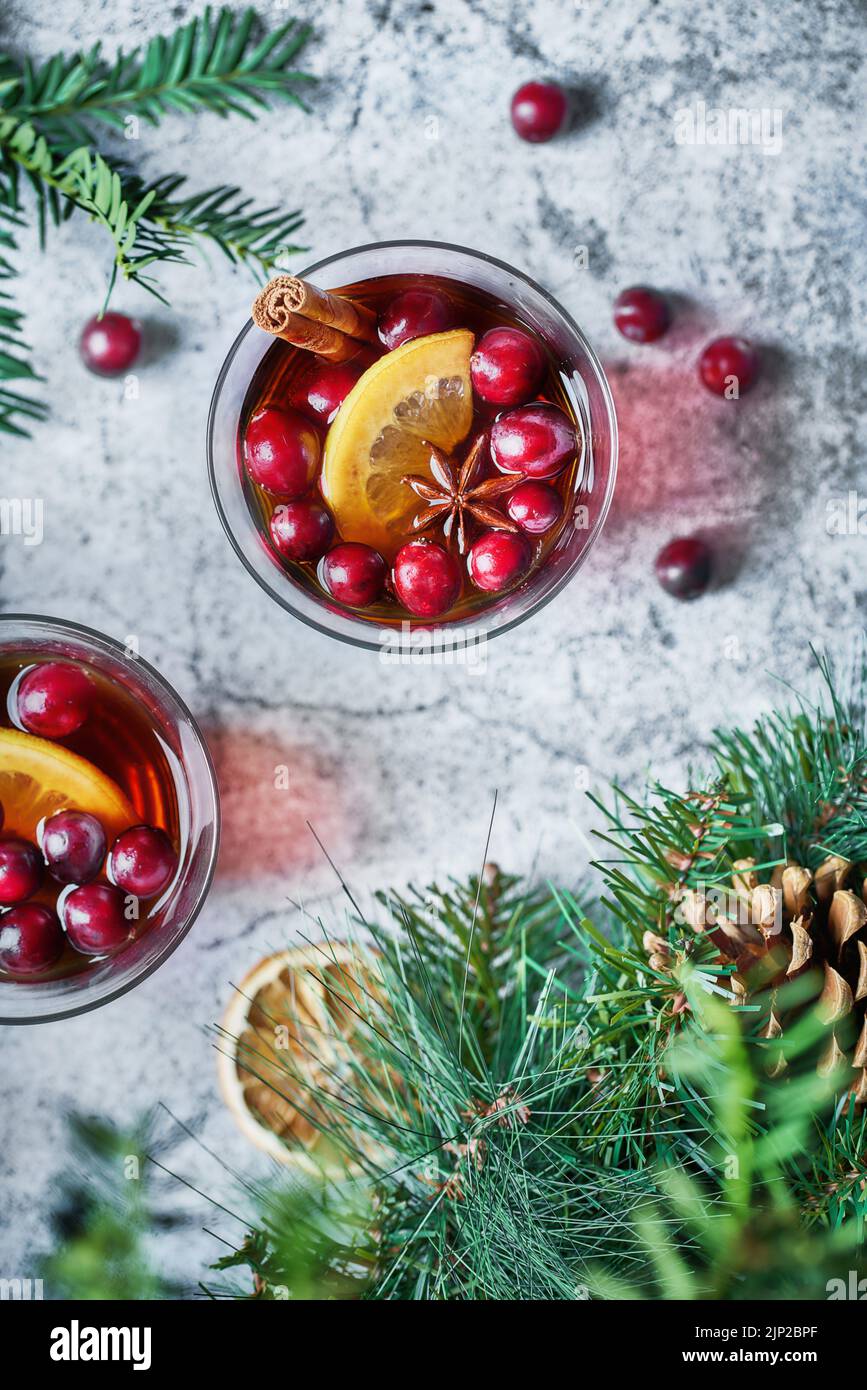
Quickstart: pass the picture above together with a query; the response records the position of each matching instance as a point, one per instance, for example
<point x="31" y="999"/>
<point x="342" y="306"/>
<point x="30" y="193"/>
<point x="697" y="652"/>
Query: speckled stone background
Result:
<point x="409" y="136"/>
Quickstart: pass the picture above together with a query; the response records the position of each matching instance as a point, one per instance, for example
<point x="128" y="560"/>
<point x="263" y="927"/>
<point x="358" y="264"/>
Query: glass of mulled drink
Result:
<point x="411" y="435"/>
<point x="109" y="819"/>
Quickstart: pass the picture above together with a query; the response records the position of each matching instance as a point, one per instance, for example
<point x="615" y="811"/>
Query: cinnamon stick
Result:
<point x="314" y="319"/>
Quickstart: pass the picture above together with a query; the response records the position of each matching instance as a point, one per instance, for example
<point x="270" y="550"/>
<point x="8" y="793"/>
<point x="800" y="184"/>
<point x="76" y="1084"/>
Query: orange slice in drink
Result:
<point x="416" y="396"/>
<point x="38" y="777"/>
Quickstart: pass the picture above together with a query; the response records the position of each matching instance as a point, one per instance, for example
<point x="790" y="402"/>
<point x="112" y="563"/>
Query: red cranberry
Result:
<point x="301" y="530"/>
<point x="142" y="861"/>
<point x="498" y="559"/>
<point x="414" y="314"/>
<point x="30" y="939"/>
<point x="353" y="574"/>
<point x="54" y="699"/>
<point x="110" y="345"/>
<point x="281" y="451"/>
<point x="73" y="843"/>
<point x="507" y="366"/>
<point x="95" y="919"/>
<point x="427" y="580"/>
<point x="325" y="387"/>
<point x="535" y="507"/>
<point x="641" y="314"/>
<point x="535" y="440"/>
<point x="683" y="567"/>
<point x="539" y="111"/>
<point x="729" y="366"/>
<point x="21" y="871"/>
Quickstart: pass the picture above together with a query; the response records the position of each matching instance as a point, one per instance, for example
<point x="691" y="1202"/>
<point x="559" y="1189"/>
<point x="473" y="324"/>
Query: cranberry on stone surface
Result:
<point x="281" y="451"/>
<point x="54" y="699"/>
<point x="30" y="939"/>
<point x="414" y="314"/>
<point x="142" y="861"/>
<point x="729" y="366"/>
<point x="641" y="314"/>
<point x="95" y="918"/>
<point x="73" y="843"/>
<point x="21" y="870"/>
<point x="535" y="507"/>
<point x="535" y="440"/>
<point x="507" y="366"/>
<point x="301" y="530"/>
<point x="324" y="388"/>
<point x="353" y="574"/>
<point x="539" y="111"/>
<point x="110" y="345"/>
<point x="498" y="559"/>
<point x="683" y="567"/>
<point x="427" y="580"/>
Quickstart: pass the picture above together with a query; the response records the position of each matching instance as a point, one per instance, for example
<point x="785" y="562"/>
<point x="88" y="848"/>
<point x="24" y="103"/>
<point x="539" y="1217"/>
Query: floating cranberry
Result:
<point x="73" y="843"/>
<point x="498" y="559"/>
<point x="110" y="344"/>
<point x="535" y="440"/>
<point x="539" y="111"/>
<point x="142" y="861"/>
<point x="54" y="699"/>
<point x="354" y="574"/>
<point x="301" y="530"/>
<point x="30" y="939"/>
<point x="535" y="507"/>
<point x="641" y="314"/>
<point x="507" y="366"/>
<point x="325" y="387"/>
<point x="729" y="366"/>
<point x="21" y="871"/>
<point x="427" y="579"/>
<point x="414" y="314"/>
<point x="281" y="451"/>
<point x="683" y="567"/>
<point x="95" y="919"/>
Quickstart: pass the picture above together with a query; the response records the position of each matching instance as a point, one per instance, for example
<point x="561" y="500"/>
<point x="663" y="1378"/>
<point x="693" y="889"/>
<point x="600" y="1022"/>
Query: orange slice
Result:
<point x="38" y="777"/>
<point x="416" y="396"/>
<point x="285" y="1038"/>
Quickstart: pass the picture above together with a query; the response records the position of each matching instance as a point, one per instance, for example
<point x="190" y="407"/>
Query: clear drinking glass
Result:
<point x="583" y="379"/>
<point x="195" y="786"/>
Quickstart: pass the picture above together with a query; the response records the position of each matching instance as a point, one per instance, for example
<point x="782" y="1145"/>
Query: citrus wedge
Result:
<point x="416" y="396"/>
<point x="285" y="1037"/>
<point x="38" y="777"/>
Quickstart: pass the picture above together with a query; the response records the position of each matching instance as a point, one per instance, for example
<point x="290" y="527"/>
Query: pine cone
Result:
<point x="771" y="932"/>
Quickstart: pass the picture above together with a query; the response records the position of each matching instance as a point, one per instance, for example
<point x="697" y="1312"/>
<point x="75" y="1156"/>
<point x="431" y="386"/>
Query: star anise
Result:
<point x="454" y="494"/>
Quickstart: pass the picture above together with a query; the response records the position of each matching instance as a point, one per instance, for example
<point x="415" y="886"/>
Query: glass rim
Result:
<point x="116" y="648"/>
<point x="602" y="381"/>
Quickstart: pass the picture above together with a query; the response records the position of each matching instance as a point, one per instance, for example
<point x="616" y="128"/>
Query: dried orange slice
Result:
<point x="416" y="396"/>
<point x="38" y="777"/>
<point x="285" y="1040"/>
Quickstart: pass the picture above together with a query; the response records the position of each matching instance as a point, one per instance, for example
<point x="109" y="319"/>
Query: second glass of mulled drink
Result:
<point x="411" y="435"/>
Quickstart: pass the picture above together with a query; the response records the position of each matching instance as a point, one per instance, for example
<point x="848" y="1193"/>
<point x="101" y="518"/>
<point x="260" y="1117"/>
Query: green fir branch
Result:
<point x="220" y="62"/>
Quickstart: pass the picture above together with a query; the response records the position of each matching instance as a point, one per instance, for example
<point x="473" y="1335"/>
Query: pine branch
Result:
<point x="146" y="223"/>
<point x="15" y="364"/>
<point x="219" y="62"/>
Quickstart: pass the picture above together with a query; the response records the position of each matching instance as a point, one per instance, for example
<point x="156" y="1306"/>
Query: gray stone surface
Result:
<point x="409" y="136"/>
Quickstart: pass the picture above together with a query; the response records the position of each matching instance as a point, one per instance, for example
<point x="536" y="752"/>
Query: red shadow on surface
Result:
<point x="269" y="790"/>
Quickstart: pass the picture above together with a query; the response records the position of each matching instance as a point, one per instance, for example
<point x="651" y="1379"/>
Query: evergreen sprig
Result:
<point x="221" y="62"/>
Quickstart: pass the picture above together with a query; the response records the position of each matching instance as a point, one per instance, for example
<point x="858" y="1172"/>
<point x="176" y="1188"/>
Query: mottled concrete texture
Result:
<point x="409" y="136"/>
